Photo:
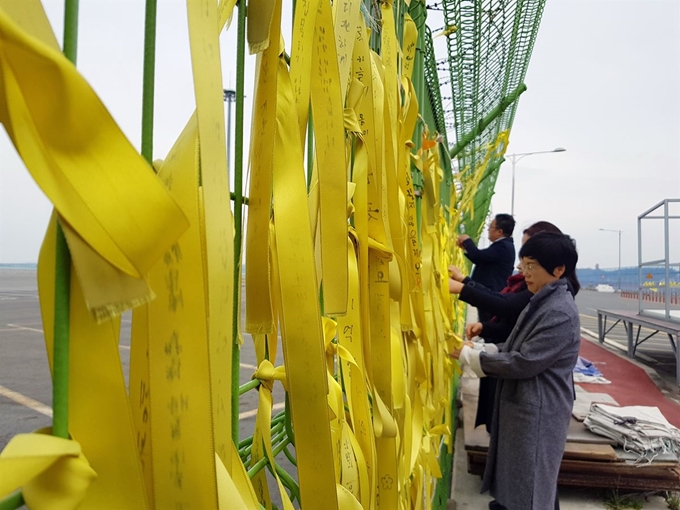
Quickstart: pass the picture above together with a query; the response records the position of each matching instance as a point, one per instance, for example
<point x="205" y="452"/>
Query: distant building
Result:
<point x="591" y="278"/>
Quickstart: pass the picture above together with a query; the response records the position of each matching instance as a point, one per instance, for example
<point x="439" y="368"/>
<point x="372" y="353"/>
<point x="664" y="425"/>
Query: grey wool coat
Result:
<point x="534" y="401"/>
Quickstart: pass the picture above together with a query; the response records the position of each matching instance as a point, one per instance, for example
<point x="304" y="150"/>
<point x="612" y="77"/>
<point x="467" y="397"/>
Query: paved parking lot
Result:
<point x="25" y="383"/>
<point x="25" y="386"/>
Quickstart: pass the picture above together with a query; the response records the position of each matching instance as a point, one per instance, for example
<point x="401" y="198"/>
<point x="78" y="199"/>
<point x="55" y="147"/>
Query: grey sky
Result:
<point x="604" y="82"/>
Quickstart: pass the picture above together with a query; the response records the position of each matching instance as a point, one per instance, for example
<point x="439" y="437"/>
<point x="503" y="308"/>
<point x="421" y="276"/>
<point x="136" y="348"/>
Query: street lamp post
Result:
<point x="515" y="158"/>
<point x="229" y="98"/>
<point x="619" y="232"/>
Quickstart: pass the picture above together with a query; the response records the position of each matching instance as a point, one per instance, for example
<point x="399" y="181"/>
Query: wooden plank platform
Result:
<point x="589" y="460"/>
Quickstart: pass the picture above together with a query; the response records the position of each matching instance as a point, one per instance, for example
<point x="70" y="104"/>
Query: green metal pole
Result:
<point x="12" y="501"/>
<point x="148" y="85"/>
<point x="483" y="123"/>
<point x="375" y="15"/>
<point x="310" y="149"/>
<point x="62" y="292"/>
<point x="238" y="215"/>
<point x="62" y="287"/>
<point x="71" y="30"/>
<point x="399" y="9"/>
<point x="419" y="15"/>
<point x="249" y="386"/>
<point x="60" y="375"/>
<point x="264" y="461"/>
<point x="442" y="491"/>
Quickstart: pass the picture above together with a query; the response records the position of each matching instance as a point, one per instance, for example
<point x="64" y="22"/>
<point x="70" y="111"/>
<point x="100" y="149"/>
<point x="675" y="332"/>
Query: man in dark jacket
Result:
<point x="493" y="265"/>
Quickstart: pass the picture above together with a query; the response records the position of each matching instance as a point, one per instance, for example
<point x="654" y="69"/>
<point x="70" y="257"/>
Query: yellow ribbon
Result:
<point x="301" y="327"/>
<point x="351" y="338"/>
<point x="52" y="472"/>
<point x="259" y="317"/>
<point x="117" y="205"/>
<point x="267" y="374"/>
<point x="327" y="107"/>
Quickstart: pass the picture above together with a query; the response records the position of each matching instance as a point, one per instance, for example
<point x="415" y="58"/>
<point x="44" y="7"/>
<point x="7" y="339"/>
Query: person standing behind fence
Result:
<point x="493" y="265"/>
<point x="535" y="393"/>
<point x="505" y="307"/>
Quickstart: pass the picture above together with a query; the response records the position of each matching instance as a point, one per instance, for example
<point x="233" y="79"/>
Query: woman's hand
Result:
<point x="455" y="287"/>
<point x="455" y="354"/>
<point x="473" y="330"/>
<point x="456" y="274"/>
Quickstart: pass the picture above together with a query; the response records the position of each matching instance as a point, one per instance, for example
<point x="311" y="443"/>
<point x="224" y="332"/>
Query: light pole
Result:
<point x="229" y="97"/>
<point x="619" y="232"/>
<point x="515" y="158"/>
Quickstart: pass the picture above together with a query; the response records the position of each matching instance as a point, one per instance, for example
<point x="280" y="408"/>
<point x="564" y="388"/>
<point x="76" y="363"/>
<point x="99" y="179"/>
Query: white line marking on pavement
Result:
<point x="15" y="326"/>
<point x="618" y="345"/>
<point x="587" y="316"/>
<point x="248" y="414"/>
<point x="26" y="401"/>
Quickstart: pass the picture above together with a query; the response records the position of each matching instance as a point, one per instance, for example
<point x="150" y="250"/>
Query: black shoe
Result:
<point x="495" y="505"/>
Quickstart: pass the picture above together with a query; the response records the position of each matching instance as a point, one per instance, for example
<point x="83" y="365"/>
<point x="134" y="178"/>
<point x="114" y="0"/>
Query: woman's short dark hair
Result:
<point x="506" y="223"/>
<point x="541" y="226"/>
<point x="546" y="226"/>
<point x="552" y="250"/>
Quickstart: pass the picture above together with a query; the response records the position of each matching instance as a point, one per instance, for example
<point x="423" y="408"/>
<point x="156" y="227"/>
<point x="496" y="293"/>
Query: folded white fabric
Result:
<point x="590" y="379"/>
<point x="641" y="430"/>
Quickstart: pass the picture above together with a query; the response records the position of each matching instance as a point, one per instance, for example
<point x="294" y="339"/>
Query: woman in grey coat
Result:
<point x="534" y="397"/>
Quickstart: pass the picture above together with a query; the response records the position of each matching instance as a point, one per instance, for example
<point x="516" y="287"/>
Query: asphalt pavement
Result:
<point x="25" y="382"/>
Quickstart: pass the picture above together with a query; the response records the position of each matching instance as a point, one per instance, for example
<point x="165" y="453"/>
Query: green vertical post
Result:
<point x="419" y="15"/>
<point x="442" y="491"/>
<point x="447" y="181"/>
<point x="375" y="13"/>
<point x="399" y="11"/>
<point x="62" y="284"/>
<point x="62" y="292"/>
<point x="238" y="215"/>
<point x="148" y="83"/>
<point x="60" y="362"/>
<point x="71" y="30"/>
<point x="310" y="149"/>
<point x="12" y="501"/>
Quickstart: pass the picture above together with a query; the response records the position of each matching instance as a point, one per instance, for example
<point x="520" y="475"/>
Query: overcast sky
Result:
<point x="604" y="83"/>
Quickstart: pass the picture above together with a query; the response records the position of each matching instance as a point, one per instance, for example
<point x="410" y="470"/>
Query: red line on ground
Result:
<point x="630" y="384"/>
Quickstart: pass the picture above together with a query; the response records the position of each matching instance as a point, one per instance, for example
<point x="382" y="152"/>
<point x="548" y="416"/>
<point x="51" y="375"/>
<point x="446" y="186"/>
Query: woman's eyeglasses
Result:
<point x="529" y="268"/>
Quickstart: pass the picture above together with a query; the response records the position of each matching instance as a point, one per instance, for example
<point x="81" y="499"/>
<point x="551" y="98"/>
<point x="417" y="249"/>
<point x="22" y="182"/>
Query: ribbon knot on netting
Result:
<point x="267" y="373"/>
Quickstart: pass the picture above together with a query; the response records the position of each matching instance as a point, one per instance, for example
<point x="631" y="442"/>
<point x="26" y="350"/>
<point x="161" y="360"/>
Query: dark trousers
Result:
<point x="486" y="402"/>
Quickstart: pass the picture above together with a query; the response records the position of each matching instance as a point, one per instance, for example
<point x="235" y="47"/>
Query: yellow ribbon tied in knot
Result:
<point x="267" y="373"/>
<point x="52" y="472"/>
